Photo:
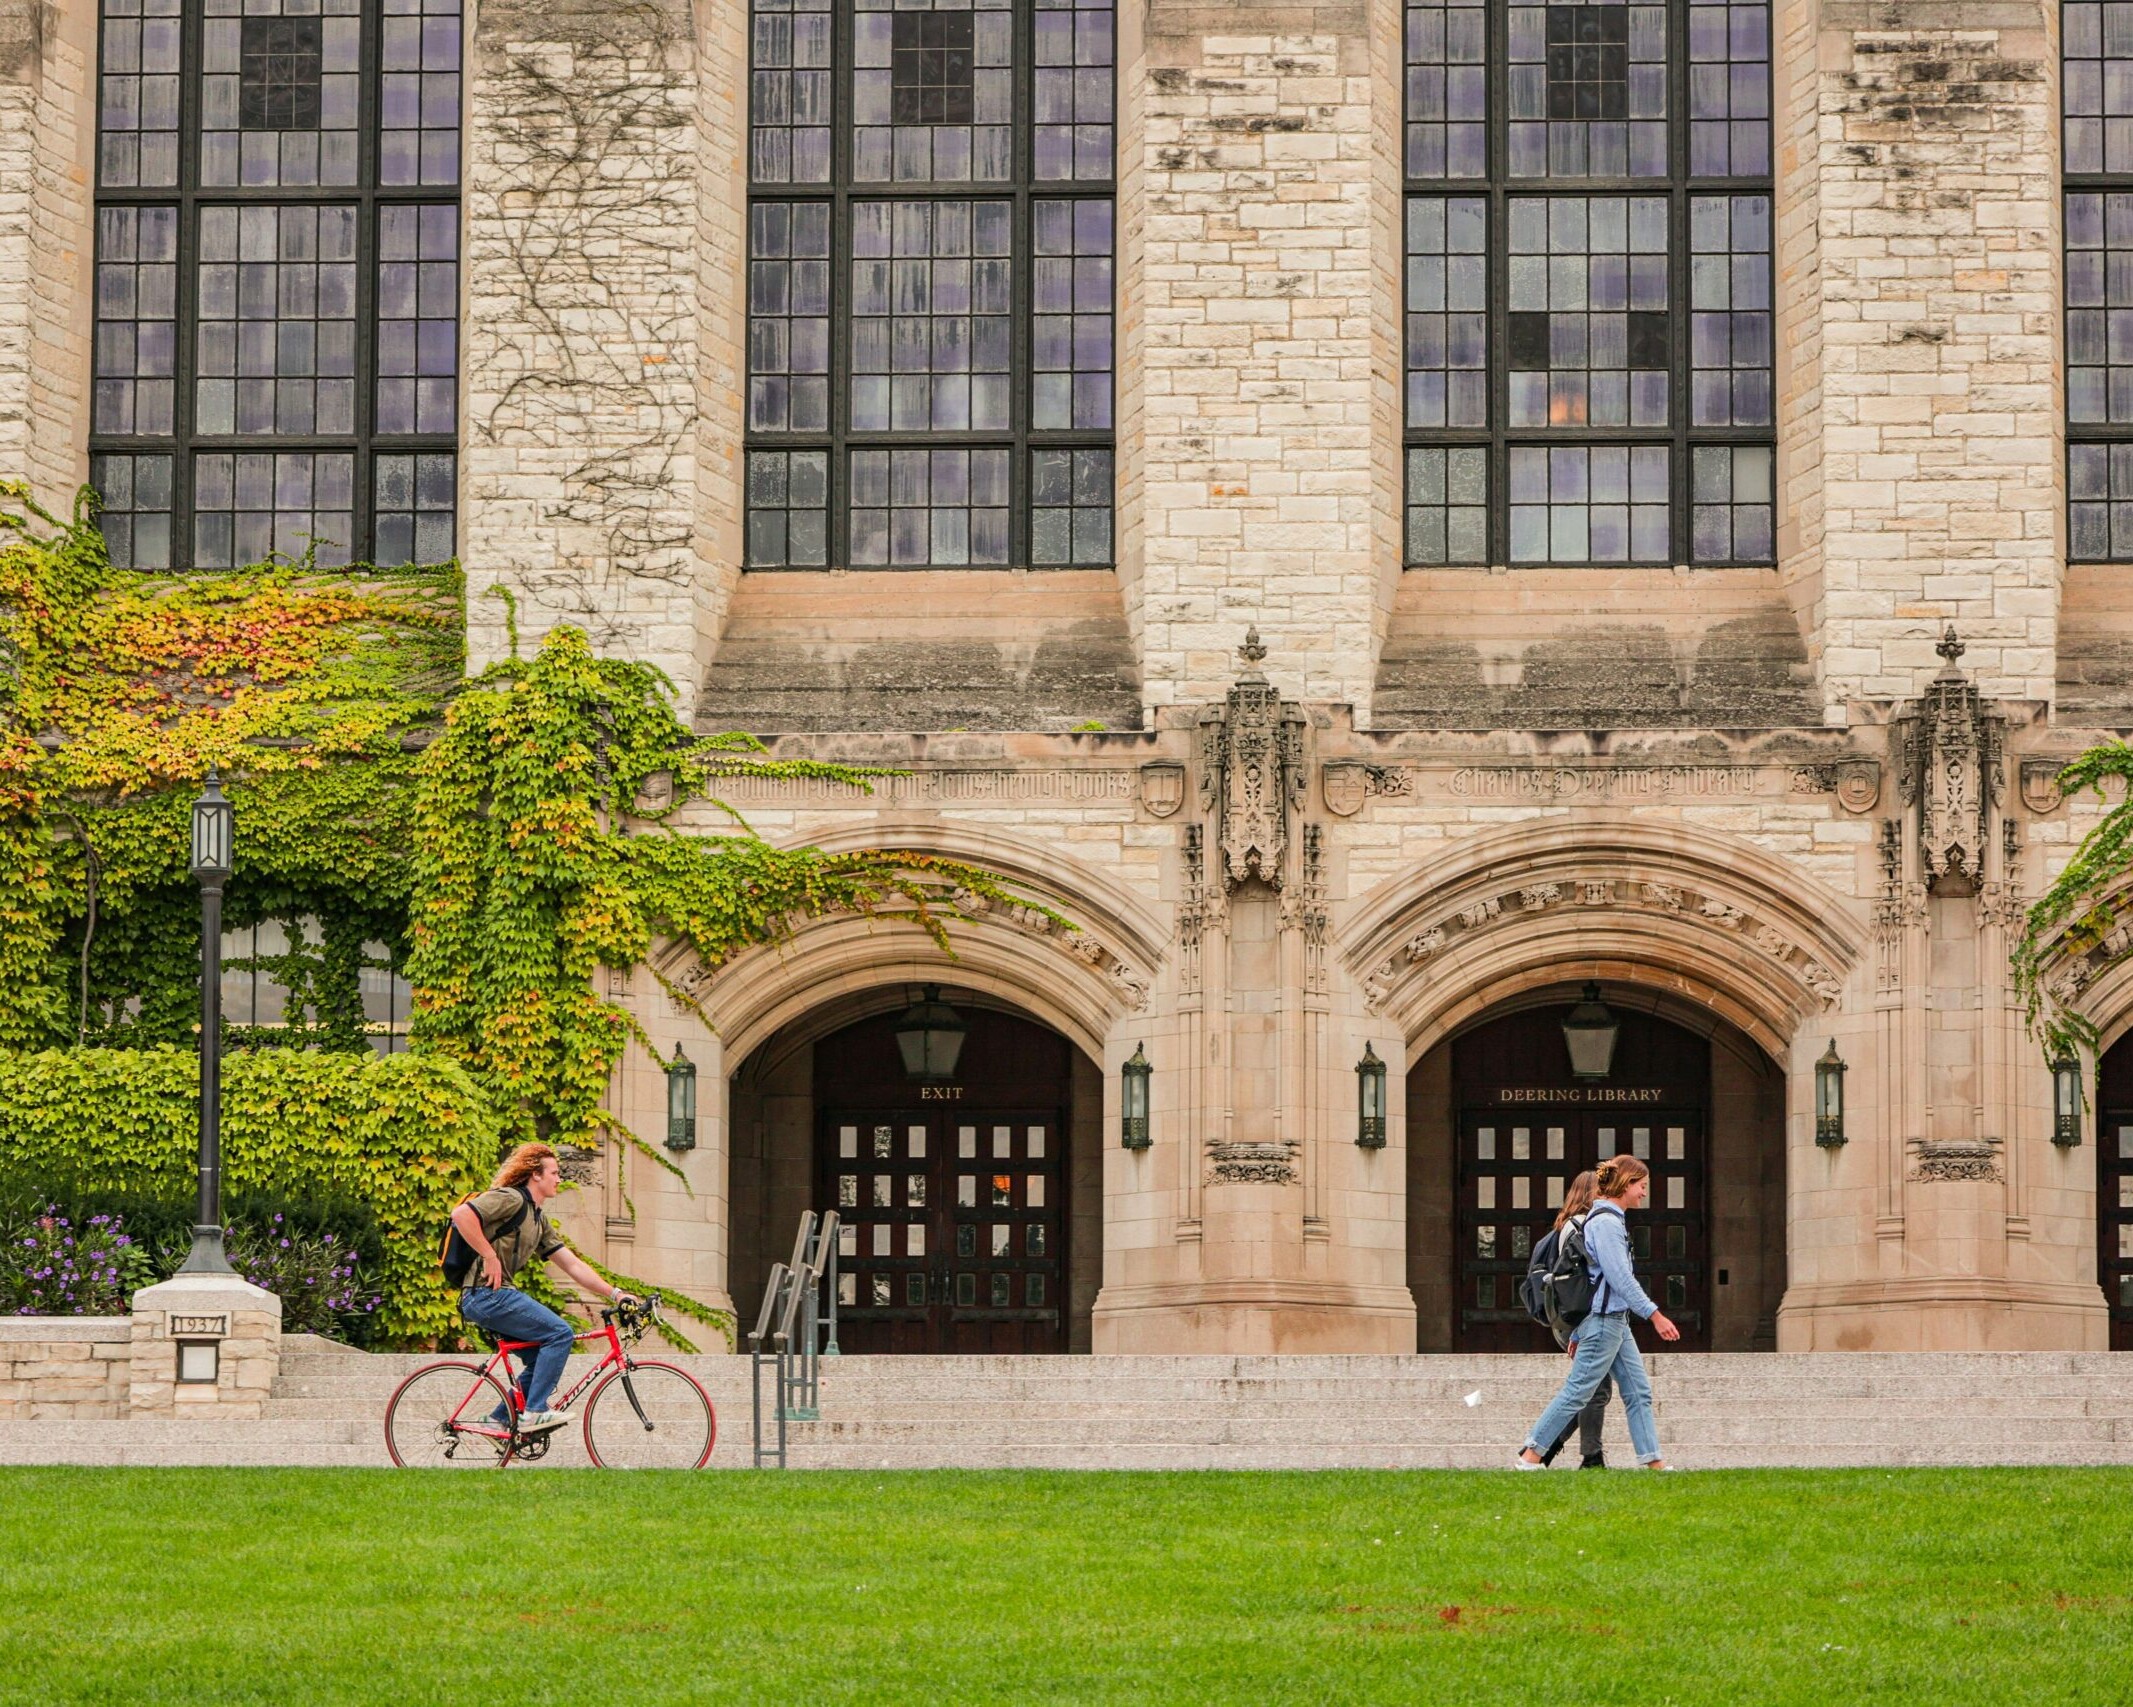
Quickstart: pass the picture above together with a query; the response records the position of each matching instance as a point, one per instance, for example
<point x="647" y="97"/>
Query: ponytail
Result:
<point x="1579" y="1197"/>
<point x="1618" y="1173"/>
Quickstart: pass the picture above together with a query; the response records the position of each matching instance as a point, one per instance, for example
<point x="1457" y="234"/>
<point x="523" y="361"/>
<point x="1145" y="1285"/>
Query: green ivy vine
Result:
<point x="541" y="858"/>
<point x="498" y="840"/>
<point x="2084" y="904"/>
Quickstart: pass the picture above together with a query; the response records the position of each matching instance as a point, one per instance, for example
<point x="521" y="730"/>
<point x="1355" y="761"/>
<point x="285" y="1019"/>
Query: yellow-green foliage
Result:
<point x="408" y="1135"/>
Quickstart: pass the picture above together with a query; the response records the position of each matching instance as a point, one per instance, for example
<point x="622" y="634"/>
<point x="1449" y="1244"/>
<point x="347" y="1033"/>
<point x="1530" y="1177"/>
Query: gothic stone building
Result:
<point x="1397" y="519"/>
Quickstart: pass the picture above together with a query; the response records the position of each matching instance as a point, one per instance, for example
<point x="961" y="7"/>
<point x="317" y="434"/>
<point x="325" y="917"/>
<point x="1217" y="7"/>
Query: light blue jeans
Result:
<point x="1605" y="1346"/>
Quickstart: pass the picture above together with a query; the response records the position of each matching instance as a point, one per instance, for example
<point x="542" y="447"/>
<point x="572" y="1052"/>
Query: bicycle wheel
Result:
<point x="439" y="1418"/>
<point x="651" y="1416"/>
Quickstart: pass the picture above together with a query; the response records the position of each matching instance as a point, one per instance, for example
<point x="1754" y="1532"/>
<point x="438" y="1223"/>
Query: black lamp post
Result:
<point x="681" y="1102"/>
<point x="1370" y="1100"/>
<point x="214" y="855"/>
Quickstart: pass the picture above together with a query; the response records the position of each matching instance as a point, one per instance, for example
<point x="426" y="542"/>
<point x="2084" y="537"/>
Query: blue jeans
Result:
<point x="1605" y="1347"/>
<point x="509" y="1314"/>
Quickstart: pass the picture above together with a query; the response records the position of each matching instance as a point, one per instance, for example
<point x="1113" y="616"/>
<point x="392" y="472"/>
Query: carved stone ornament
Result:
<point x="1162" y="788"/>
<point x="1676" y="900"/>
<point x="2040" y="784"/>
<point x="1346" y="784"/>
<point x="1955" y="1159"/>
<point x="1859" y="784"/>
<point x="1236" y="1163"/>
<point x="1251" y="773"/>
<point x="1952" y="772"/>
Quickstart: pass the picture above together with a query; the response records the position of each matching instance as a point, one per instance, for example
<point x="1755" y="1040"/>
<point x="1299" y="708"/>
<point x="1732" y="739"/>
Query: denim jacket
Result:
<point x="1615" y="1281"/>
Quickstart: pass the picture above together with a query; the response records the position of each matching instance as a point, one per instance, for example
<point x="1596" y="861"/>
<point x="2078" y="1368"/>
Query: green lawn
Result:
<point x="297" y="1586"/>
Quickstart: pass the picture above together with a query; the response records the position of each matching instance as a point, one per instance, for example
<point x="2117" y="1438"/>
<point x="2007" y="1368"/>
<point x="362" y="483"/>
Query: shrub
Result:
<point x="50" y="1266"/>
<point x="403" y="1137"/>
<point x="317" y="1278"/>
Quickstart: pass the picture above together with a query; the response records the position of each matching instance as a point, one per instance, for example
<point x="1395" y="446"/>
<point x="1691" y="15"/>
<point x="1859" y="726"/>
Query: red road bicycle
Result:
<point x="642" y="1415"/>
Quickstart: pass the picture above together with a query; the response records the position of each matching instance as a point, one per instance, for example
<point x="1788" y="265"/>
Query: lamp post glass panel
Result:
<point x="1829" y="1097"/>
<point x="1370" y="1100"/>
<point x="214" y="856"/>
<point x="681" y="1102"/>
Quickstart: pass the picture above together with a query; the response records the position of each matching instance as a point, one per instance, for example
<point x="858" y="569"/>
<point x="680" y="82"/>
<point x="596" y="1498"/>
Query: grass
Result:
<point x="299" y="1586"/>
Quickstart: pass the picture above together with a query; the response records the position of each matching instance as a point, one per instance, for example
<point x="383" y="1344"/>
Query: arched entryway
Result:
<point x="971" y="1209"/>
<point x="2114" y="1187"/>
<point x="1498" y="1125"/>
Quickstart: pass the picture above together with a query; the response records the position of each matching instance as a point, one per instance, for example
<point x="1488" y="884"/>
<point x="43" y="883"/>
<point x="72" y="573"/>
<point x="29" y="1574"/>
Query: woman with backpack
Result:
<point x="1577" y="1201"/>
<point x="1605" y="1345"/>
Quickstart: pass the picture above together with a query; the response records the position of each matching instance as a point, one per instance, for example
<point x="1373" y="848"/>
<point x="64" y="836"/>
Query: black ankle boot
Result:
<point x="1594" y="1461"/>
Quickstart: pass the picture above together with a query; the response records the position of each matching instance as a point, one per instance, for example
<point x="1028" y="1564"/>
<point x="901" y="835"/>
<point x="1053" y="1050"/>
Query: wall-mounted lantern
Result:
<point x="1590" y="1030"/>
<point x="1829" y="1098"/>
<point x="2066" y="1100"/>
<point x="1133" y="1080"/>
<point x="929" y="1036"/>
<point x="681" y="1102"/>
<point x="1370" y="1100"/>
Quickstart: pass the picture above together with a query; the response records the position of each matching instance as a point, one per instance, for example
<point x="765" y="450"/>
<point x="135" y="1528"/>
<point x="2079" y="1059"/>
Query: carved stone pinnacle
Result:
<point x="1253" y="649"/>
<point x="1950" y="647"/>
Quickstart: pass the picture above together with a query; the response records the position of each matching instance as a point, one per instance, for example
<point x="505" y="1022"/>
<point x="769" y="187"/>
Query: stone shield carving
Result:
<point x="1344" y="783"/>
<point x="2040" y="785"/>
<point x="1859" y="784"/>
<point x="1162" y="788"/>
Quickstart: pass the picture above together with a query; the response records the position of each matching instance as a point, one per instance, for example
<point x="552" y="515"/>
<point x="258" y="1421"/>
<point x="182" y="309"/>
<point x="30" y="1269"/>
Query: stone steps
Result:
<point x="1248" y="1412"/>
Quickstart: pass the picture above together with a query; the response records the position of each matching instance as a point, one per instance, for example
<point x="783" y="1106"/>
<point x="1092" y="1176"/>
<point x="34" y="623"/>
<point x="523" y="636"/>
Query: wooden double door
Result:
<point x="951" y="1230"/>
<point x="2114" y="1220"/>
<point x="1515" y="1166"/>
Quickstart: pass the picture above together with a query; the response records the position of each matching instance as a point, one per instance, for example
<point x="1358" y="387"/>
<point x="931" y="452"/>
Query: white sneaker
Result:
<point x="1519" y="1461"/>
<point x="541" y="1422"/>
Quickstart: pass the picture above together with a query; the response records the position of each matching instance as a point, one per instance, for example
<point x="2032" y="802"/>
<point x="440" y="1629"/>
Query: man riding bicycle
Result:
<point x="506" y="1227"/>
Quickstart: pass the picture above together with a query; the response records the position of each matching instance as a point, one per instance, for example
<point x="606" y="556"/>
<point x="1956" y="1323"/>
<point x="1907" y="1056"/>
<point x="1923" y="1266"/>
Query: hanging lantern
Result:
<point x="929" y="1036"/>
<point x="2066" y="1100"/>
<point x="1829" y="1098"/>
<point x="681" y="1102"/>
<point x="1590" y="1030"/>
<point x="1370" y="1100"/>
<point x="1133" y="1080"/>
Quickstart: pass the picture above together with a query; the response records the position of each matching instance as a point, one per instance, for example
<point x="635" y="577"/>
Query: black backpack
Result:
<point x="1557" y="1290"/>
<point x="456" y="1257"/>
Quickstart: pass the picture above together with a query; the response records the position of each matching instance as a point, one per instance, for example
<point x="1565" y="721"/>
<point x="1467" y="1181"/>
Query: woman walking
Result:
<point x="1590" y="1424"/>
<point x="1604" y="1343"/>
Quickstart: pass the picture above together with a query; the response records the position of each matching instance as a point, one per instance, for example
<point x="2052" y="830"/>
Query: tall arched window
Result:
<point x="1589" y="290"/>
<point x="930" y="321"/>
<point x="2096" y="87"/>
<point x="277" y="280"/>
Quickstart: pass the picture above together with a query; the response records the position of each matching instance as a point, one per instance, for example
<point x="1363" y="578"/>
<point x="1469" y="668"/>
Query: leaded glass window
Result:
<point x="2097" y="89"/>
<point x="1589" y="321"/>
<point x="931" y="317"/>
<point x="277" y="280"/>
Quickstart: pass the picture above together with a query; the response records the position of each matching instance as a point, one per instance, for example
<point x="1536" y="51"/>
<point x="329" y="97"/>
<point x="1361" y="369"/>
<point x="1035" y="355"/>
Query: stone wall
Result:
<point x="47" y="243"/>
<point x="1262" y="246"/>
<point x="64" y="1368"/>
<point x="1937" y="299"/>
<point x="578" y="472"/>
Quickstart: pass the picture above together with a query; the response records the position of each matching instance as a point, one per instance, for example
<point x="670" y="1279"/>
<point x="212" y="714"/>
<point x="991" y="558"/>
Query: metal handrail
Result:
<point x="788" y="1330"/>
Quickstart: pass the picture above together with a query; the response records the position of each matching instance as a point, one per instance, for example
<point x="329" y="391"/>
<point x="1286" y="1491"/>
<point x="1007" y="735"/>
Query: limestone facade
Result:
<point x="1757" y="803"/>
